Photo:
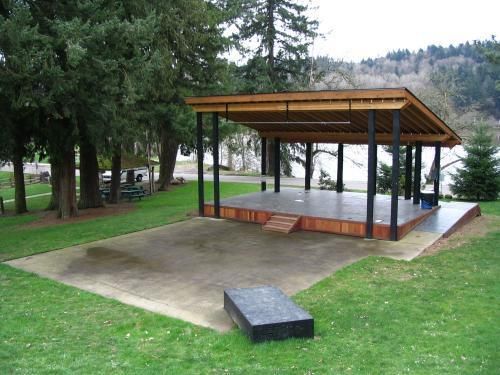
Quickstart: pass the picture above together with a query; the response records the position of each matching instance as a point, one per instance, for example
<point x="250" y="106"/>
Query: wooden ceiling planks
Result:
<point x="323" y="116"/>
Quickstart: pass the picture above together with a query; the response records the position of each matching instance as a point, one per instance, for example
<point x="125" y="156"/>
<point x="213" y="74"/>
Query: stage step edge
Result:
<point x="282" y="223"/>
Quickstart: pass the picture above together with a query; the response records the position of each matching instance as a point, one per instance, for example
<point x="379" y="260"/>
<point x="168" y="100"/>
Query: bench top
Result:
<point x="266" y="305"/>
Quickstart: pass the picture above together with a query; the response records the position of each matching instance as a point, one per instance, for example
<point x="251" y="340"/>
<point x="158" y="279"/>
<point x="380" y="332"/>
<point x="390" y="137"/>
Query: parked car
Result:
<point x="139" y="174"/>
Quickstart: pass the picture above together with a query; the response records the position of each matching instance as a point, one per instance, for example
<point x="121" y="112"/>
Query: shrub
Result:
<point x="479" y="178"/>
<point x="326" y="182"/>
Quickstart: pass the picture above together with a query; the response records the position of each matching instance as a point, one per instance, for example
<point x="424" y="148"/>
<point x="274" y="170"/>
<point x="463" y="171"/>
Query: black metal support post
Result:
<point x="371" y="171"/>
<point x="215" y="151"/>
<point x="375" y="162"/>
<point x="263" y="164"/>
<point x="437" y="165"/>
<point x="308" y="166"/>
<point x="199" y="152"/>
<point x="395" y="173"/>
<point x="418" y="172"/>
<point x="277" y="164"/>
<point x="340" y="168"/>
<point x="408" y="171"/>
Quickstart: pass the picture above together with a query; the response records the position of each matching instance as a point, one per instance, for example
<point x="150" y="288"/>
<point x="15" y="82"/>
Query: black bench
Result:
<point x="266" y="313"/>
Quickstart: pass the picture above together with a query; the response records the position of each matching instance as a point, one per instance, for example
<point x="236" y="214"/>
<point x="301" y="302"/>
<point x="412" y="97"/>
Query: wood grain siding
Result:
<point x="240" y="214"/>
<point x="349" y="228"/>
<point x="320" y="224"/>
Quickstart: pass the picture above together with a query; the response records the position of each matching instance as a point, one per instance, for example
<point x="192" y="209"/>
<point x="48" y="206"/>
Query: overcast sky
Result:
<point x="356" y="29"/>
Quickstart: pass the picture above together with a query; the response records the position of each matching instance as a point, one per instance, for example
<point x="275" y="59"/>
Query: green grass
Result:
<point x="490" y="208"/>
<point x="436" y="314"/>
<point x="160" y="209"/>
<point x="9" y="193"/>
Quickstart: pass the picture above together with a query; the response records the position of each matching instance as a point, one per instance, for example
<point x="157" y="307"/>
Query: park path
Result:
<point x="28" y="197"/>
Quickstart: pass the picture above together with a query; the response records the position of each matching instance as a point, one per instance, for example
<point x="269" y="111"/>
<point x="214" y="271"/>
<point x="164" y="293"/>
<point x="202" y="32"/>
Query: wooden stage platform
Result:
<point x="323" y="211"/>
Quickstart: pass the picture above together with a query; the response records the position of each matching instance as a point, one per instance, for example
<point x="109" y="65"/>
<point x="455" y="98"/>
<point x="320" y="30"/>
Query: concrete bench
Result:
<point x="266" y="313"/>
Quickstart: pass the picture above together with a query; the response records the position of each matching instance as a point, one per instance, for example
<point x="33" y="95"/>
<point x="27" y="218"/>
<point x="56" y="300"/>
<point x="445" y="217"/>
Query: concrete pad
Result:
<point x="181" y="269"/>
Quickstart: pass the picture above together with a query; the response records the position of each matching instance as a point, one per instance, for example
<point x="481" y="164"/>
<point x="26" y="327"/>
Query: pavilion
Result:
<point x="370" y="117"/>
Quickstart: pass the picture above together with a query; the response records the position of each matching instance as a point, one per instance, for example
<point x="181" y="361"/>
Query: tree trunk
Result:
<point x="130" y="176"/>
<point x="270" y="38"/>
<point x="20" y="191"/>
<point x="270" y="157"/>
<point x="116" y="171"/>
<point x="54" y="182"/>
<point x="168" y="157"/>
<point x="67" y="185"/>
<point x="90" y="196"/>
<point x="243" y="154"/>
<point x="230" y="162"/>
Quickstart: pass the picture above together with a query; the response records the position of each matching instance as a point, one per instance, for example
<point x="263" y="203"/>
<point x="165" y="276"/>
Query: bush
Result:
<point x="326" y="182"/>
<point x="384" y="179"/>
<point x="479" y="178"/>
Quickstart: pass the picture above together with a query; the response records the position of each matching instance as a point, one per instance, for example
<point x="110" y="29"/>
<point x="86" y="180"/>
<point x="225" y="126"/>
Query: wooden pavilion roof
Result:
<point x="339" y="116"/>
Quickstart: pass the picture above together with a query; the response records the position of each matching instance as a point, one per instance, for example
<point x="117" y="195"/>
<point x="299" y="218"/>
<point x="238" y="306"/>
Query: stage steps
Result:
<point x="281" y="223"/>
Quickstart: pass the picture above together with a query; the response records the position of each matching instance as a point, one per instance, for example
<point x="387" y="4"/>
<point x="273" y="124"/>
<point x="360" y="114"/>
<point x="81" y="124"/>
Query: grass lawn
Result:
<point x="436" y="314"/>
<point x="34" y="189"/>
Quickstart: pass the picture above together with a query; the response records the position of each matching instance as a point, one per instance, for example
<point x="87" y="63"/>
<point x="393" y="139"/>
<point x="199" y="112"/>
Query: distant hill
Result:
<point x="457" y="82"/>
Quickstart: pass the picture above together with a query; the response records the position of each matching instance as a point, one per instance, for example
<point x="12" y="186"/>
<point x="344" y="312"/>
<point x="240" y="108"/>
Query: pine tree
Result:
<point x="283" y="33"/>
<point x="479" y="178"/>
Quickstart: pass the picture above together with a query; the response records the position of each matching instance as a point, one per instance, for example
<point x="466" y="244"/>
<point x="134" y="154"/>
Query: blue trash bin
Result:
<point x="426" y="199"/>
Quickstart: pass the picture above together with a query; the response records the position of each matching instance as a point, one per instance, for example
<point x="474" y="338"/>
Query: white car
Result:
<point x="139" y="174"/>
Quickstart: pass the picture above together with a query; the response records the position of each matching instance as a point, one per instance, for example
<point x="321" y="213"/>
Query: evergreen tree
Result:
<point x="187" y="43"/>
<point x="283" y="33"/>
<point x="384" y="173"/>
<point x="21" y="60"/>
<point x="479" y="178"/>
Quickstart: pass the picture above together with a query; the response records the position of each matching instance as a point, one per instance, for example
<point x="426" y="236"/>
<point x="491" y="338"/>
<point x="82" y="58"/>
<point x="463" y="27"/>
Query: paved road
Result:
<point x="192" y="176"/>
<point x="289" y="181"/>
<point x="285" y="181"/>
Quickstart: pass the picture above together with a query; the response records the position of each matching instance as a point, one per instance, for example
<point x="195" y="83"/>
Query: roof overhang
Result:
<point x="339" y="116"/>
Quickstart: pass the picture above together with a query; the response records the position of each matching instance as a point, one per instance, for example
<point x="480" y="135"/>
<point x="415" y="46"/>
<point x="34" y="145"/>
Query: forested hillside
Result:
<point x="460" y="83"/>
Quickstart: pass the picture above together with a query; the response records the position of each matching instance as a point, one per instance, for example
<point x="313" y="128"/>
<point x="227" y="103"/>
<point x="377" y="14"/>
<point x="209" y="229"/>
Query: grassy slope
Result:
<point x="435" y="314"/>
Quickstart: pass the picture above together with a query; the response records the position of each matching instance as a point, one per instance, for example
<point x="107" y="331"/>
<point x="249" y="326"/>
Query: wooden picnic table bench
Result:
<point x="134" y="192"/>
<point x="130" y="192"/>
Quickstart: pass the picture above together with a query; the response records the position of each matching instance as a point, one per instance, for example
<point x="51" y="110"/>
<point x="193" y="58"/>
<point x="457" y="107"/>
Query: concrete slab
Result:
<point x="447" y="217"/>
<point x="182" y="269"/>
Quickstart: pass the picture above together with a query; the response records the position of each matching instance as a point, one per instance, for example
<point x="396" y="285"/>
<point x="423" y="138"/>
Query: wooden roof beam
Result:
<point x="352" y="138"/>
<point x="304" y="106"/>
<point x="422" y="108"/>
<point x="299" y="96"/>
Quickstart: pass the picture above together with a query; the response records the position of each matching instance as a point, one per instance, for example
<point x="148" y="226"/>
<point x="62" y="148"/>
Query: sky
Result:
<point x="357" y="29"/>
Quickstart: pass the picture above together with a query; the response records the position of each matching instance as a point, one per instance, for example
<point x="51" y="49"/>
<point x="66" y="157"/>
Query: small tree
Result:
<point x="479" y="178"/>
<point x="325" y="181"/>
<point x="384" y="173"/>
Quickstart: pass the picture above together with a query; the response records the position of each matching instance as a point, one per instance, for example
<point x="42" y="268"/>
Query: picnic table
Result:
<point x="130" y="192"/>
<point x="133" y="192"/>
<point x="104" y="193"/>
